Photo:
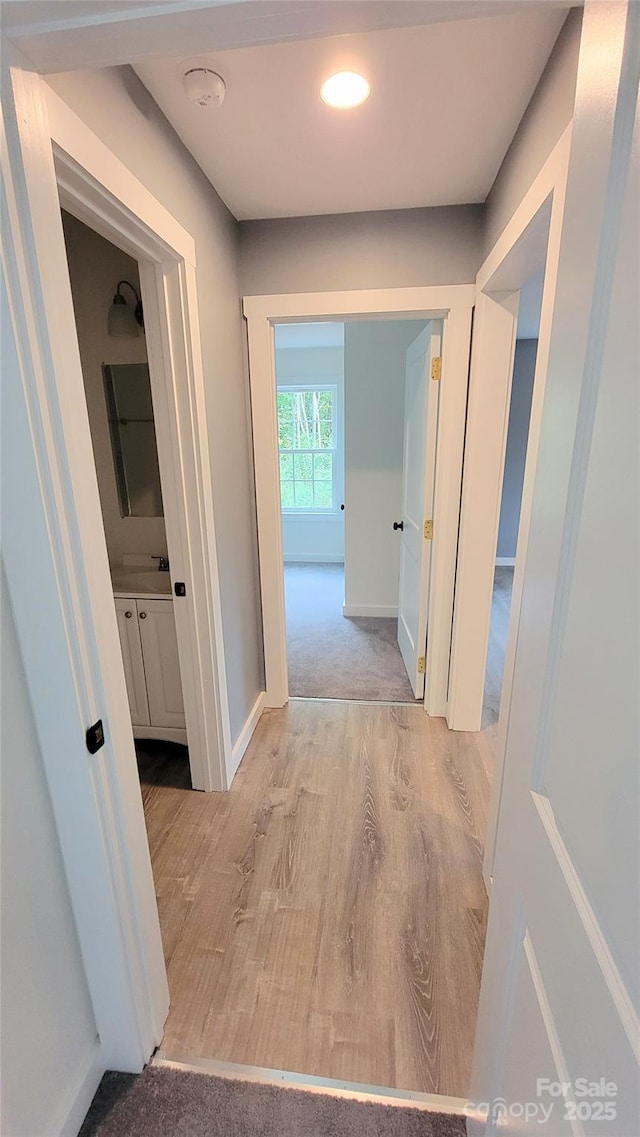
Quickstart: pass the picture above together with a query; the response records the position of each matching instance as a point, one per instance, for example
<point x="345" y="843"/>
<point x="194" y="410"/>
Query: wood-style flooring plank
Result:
<point x="500" y="609"/>
<point x="327" y="914"/>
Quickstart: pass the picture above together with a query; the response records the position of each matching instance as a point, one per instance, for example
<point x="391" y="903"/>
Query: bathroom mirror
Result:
<point x="133" y="438"/>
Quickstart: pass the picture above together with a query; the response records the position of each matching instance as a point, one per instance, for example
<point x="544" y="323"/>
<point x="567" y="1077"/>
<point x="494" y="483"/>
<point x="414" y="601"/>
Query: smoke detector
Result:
<point x="203" y="87"/>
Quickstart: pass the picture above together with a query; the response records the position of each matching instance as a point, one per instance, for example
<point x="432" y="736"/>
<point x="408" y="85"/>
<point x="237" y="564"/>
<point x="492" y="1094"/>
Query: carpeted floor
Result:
<point x="335" y="657"/>
<point x="162" y="1102"/>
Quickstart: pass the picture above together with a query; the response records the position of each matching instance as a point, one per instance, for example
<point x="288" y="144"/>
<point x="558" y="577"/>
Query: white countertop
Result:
<point x="140" y="582"/>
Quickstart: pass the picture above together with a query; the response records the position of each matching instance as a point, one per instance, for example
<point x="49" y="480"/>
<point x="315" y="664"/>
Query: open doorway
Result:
<point x="451" y="304"/>
<point x="162" y="253"/>
<point x="357" y="414"/>
<point x="524" y="367"/>
<point x="109" y="317"/>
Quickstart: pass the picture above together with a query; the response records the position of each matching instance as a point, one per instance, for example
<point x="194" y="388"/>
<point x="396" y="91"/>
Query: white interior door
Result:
<point x="157" y="625"/>
<point x="420" y="435"/>
<point x="558" y="1040"/>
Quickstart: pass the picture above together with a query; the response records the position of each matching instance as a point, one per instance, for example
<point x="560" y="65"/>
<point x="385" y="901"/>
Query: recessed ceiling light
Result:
<point x="346" y="89"/>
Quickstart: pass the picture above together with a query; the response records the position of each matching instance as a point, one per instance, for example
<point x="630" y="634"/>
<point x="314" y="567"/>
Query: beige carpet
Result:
<point x="335" y="657"/>
<point x="162" y="1102"/>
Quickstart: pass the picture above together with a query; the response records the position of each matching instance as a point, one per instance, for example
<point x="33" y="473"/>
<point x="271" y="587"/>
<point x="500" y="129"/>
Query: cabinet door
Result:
<point x="161" y="663"/>
<point x="127" y="614"/>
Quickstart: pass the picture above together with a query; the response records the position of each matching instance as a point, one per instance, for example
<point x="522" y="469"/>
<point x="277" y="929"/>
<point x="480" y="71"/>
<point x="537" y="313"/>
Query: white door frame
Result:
<point x="54" y="550"/>
<point x="453" y="304"/>
<point x="94" y="186"/>
<point x="535" y="227"/>
<point x="536" y="224"/>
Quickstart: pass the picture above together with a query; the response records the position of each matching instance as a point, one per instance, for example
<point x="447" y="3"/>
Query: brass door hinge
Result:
<point x="428" y="530"/>
<point x="436" y="367"/>
<point x="422" y="665"/>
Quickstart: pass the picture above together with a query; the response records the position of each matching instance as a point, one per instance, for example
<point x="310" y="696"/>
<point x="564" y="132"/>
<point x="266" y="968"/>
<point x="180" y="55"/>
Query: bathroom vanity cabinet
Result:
<point x="151" y="667"/>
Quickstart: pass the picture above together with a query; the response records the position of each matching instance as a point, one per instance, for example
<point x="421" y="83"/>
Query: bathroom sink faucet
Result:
<point x="163" y="563"/>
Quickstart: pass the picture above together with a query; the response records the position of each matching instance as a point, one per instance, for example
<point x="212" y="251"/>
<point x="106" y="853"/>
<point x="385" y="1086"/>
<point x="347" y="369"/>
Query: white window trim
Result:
<point x="322" y="384"/>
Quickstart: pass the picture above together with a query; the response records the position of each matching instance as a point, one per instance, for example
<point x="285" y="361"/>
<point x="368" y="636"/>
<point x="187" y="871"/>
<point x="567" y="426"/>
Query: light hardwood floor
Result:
<point x="500" y="609"/>
<point x="327" y="914"/>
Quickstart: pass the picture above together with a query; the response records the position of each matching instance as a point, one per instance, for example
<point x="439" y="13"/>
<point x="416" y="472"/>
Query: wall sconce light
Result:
<point x="121" y="320"/>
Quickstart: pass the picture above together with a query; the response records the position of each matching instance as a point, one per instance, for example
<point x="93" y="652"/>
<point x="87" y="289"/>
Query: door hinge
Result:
<point x="428" y="530"/>
<point x="436" y="367"/>
<point x="422" y="665"/>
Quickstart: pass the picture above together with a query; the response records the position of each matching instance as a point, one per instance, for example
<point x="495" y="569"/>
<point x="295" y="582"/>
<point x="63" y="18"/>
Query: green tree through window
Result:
<point x="307" y="443"/>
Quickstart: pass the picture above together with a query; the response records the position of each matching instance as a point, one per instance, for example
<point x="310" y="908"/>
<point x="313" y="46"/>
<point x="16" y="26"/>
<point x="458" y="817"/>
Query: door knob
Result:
<point x="398" y="525"/>
<point x="128" y="615"/>
<point x="143" y="615"/>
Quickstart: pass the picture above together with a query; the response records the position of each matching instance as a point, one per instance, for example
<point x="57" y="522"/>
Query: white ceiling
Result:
<point x="446" y="101"/>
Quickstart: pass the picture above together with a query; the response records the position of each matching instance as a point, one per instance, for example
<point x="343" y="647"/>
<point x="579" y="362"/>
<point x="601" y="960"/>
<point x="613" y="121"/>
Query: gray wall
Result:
<point x="361" y="250"/>
<point x="549" y="112"/>
<point x="48" y="1027"/>
<point x="517" y="434"/>
<point x="414" y="246"/>
<point x="116" y="106"/>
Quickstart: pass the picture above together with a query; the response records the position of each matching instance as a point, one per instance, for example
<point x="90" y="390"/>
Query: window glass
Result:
<point x="307" y="442"/>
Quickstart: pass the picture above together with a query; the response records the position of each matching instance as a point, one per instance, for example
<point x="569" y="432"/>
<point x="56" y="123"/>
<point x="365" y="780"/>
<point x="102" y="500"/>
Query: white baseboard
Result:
<point x="370" y="610"/>
<point x="505" y="562"/>
<point x="72" y="1115"/>
<point x="314" y="559"/>
<point x="244" y="738"/>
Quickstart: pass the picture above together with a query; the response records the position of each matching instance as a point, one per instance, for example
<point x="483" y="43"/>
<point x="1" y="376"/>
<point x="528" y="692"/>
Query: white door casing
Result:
<point x="518" y="254"/>
<point x="55" y="560"/>
<point x="560" y="989"/>
<point x="432" y="302"/>
<point x="530" y="242"/>
<point x="98" y="189"/>
<point x="418" y="482"/>
<point x="95" y="799"/>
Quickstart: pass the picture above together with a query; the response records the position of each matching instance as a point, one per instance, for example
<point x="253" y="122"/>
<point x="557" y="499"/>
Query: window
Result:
<point x="307" y="439"/>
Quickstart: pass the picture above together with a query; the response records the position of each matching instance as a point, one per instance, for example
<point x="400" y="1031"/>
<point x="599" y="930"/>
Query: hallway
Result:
<point x="327" y="915"/>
